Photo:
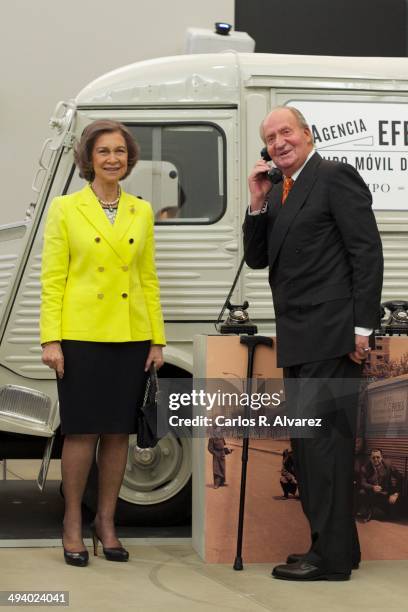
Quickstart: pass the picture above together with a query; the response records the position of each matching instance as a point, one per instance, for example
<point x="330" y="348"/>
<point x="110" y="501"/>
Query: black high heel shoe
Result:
<point x="111" y="554"/>
<point x="79" y="559"/>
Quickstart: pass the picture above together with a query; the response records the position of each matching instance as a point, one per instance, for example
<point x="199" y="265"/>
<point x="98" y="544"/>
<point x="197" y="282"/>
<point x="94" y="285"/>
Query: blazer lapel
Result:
<point x="90" y="208"/>
<point x="293" y="204"/>
<point x="127" y="214"/>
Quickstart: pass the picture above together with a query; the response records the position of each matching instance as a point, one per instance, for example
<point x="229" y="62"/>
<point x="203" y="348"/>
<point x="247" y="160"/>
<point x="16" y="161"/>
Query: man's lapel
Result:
<point x="292" y="205"/>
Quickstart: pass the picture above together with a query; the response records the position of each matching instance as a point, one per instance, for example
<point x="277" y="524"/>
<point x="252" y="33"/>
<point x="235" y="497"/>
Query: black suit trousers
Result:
<point x="324" y="458"/>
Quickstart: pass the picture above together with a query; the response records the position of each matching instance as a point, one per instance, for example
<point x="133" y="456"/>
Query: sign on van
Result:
<point x="372" y="137"/>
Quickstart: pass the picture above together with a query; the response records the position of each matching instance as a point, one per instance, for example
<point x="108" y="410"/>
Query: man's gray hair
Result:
<point x="295" y="112"/>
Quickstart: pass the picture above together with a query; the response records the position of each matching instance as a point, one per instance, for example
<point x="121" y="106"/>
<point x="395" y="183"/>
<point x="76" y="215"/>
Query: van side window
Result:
<point x="180" y="171"/>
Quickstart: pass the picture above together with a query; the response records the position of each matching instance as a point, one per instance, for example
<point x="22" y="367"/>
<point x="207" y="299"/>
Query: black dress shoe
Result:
<point x="302" y="570"/>
<point x="111" y="554"/>
<point x="295" y="557"/>
<point x="79" y="559"/>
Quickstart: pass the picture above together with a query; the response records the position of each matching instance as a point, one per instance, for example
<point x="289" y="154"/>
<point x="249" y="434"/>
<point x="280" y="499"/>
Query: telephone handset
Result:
<point x="274" y="174"/>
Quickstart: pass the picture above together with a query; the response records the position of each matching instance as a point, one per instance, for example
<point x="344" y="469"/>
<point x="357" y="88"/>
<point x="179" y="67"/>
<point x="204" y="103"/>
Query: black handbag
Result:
<point x="146" y="415"/>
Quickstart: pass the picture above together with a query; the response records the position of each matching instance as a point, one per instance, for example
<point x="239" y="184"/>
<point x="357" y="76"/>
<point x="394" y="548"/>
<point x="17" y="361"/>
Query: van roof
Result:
<point x="215" y="78"/>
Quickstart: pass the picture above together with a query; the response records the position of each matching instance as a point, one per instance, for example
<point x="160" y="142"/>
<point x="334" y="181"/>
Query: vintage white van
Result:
<point x="197" y="119"/>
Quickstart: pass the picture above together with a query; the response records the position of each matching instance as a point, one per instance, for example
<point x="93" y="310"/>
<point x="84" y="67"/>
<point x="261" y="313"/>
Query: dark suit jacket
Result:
<point x="390" y="481"/>
<point x="325" y="261"/>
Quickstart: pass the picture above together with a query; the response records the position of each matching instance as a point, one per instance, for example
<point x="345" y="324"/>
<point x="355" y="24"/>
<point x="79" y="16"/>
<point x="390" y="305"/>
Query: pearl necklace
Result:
<point x="109" y="205"/>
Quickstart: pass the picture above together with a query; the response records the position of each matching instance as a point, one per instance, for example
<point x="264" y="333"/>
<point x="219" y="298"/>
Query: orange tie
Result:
<point x="287" y="186"/>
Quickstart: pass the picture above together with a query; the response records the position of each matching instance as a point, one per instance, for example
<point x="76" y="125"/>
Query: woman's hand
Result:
<point x="155" y="356"/>
<point x="53" y="357"/>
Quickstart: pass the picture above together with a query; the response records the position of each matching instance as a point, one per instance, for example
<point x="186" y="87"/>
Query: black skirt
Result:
<point x="103" y="384"/>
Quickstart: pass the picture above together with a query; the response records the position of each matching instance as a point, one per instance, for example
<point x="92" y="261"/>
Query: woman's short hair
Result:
<point x="84" y="148"/>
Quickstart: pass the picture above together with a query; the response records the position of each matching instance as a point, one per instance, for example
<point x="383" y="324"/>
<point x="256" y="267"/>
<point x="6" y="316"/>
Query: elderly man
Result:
<point x="317" y="233"/>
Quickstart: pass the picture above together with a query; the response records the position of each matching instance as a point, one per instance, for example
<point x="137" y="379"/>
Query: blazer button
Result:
<point x="124" y="295"/>
<point x="97" y="239"/>
<point x="297" y="251"/>
<point x="125" y="268"/>
<point x="101" y="269"/>
<point x="131" y="241"/>
<point x="100" y="296"/>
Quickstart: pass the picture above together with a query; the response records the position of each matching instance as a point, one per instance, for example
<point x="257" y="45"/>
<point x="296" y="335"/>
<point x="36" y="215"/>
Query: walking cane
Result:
<point x="251" y="342"/>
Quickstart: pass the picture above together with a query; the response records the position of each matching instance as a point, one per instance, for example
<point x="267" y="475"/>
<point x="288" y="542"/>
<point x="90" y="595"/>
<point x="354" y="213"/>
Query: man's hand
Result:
<point x="393" y="498"/>
<point x="360" y="354"/>
<point x="53" y="357"/>
<point x="259" y="184"/>
<point x="155" y="356"/>
<point x="377" y="488"/>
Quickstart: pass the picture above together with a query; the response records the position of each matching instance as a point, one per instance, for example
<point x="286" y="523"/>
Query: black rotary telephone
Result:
<point x="396" y="322"/>
<point x="238" y="321"/>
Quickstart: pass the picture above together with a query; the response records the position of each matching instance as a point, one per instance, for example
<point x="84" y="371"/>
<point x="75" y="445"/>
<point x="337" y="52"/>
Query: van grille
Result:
<point x="25" y="404"/>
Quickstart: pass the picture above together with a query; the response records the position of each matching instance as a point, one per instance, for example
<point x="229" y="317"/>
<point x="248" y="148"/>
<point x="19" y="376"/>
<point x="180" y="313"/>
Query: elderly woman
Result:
<point x="101" y="325"/>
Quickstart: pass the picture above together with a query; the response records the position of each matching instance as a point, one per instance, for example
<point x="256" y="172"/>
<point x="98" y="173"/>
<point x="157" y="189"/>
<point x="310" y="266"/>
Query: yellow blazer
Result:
<point x="99" y="280"/>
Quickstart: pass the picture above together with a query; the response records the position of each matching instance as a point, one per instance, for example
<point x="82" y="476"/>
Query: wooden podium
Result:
<point x="274" y="526"/>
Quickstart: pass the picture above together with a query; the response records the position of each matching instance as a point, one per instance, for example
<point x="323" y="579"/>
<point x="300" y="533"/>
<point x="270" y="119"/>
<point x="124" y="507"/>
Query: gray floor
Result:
<point x="165" y="574"/>
<point x="172" y="577"/>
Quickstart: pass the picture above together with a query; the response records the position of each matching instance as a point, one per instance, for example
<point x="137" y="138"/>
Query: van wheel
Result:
<point x="156" y="489"/>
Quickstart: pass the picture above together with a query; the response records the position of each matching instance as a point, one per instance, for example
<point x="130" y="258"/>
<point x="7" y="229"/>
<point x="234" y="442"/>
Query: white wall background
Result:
<point x="50" y="49"/>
